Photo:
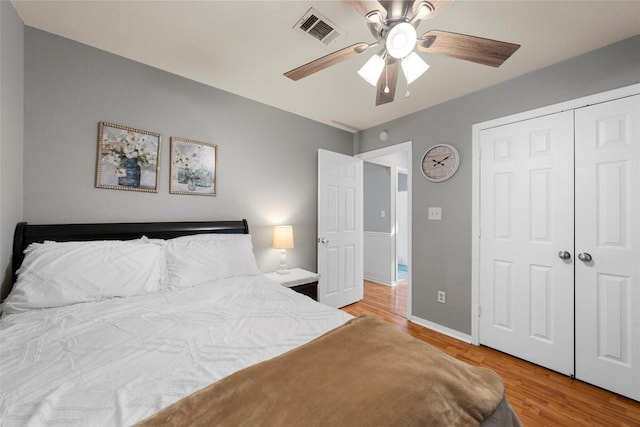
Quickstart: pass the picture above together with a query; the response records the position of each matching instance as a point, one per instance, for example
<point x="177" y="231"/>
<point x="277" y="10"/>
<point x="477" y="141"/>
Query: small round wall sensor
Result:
<point x="384" y="135"/>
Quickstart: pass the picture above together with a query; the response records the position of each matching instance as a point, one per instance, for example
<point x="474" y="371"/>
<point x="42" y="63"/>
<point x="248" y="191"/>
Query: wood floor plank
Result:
<point x="539" y="396"/>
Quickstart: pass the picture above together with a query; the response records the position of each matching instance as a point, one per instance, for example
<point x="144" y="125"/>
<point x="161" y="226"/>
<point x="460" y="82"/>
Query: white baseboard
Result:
<point x="378" y="280"/>
<point x="442" y="329"/>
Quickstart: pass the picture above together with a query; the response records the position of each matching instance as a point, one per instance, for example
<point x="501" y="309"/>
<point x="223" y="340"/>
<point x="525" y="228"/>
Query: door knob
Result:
<point x="323" y="240"/>
<point x="584" y="257"/>
<point x="564" y="255"/>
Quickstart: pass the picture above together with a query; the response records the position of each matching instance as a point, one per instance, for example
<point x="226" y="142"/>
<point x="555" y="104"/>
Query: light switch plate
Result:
<point x="435" y="214"/>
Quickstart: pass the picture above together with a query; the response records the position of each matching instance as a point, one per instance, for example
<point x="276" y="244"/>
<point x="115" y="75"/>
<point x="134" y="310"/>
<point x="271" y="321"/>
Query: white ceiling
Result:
<point x="244" y="46"/>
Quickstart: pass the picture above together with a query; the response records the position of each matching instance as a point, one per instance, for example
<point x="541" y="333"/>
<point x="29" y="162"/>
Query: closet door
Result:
<point x="608" y="239"/>
<point x="526" y="242"/>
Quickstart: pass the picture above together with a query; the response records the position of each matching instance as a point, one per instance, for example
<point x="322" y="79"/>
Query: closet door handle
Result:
<point x="564" y="255"/>
<point x="584" y="257"/>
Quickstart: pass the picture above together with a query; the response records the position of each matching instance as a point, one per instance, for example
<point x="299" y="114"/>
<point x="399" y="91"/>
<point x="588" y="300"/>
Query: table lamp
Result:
<point x="283" y="240"/>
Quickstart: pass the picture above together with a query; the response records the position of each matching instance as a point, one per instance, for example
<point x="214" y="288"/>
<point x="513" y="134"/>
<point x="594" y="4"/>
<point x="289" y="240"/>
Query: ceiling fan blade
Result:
<point x="327" y="61"/>
<point x="388" y="78"/>
<point x="365" y="7"/>
<point x="470" y="48"/>
<point x="437" y="6"/>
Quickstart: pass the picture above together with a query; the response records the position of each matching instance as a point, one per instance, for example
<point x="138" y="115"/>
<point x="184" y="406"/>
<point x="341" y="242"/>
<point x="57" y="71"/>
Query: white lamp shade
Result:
<point x="283" y="237"/>
<point x="372" y="69"/>
<point x="401" y="40"/>
<point x="413" y="67"/>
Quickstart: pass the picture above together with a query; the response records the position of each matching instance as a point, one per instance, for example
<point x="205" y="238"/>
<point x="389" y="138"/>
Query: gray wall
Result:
<point x="11" y="132"/>
<point x="442" y="249"/>
<point x="267" y="158"/>
<point x="377" y="197"/>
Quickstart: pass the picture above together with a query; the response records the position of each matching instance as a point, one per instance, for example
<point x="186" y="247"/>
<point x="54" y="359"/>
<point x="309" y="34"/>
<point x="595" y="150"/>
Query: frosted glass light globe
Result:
<point x="401" y="40"/>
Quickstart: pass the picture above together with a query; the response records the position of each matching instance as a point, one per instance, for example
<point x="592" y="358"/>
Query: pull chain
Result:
<point x="386" y="78"/>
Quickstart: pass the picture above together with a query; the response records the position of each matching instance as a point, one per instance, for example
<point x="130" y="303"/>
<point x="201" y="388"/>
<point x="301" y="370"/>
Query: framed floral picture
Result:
<point x="127" y="158"/>
<point x="193" y="167"/>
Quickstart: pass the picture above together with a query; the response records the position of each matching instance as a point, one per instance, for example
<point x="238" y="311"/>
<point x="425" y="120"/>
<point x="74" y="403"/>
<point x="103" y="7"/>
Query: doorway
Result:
<point x="392" y="249"/>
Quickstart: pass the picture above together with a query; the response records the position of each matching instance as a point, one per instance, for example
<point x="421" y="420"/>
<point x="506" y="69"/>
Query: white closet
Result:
<point x="558" y="253"/>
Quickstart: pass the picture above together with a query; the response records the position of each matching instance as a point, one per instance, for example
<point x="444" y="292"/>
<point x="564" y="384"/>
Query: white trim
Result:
<point x="475" y="171"/>
<point x="404" y="171"/>
<point x="475" y="232"/>
<point x="442" y="329"/>
<point x="379" y="281"/>
<point x="391" y="149"/>
<point x="377" y="233"/>
<point x="393" y="192"/>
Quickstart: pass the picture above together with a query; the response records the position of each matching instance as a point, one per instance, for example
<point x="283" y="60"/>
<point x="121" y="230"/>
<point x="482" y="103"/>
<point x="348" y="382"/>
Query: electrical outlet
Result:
<point x="382" y="214"/>
<point x="441" y="297"/>
<point x="435" y="214"/>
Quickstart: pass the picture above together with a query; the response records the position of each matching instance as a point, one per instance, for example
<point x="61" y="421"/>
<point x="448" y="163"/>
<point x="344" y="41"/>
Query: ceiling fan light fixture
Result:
<point x="424" y="9"/>
<point x="401" y="40"/>
<point x="413" y="67"/>
<point x="375" y="17"/>
<point x="372" y="69"/>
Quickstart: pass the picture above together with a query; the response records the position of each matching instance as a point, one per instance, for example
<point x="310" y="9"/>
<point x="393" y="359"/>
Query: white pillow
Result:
<point x="192" y="260"/>
<point x="164" y="276"/>
<point x="58" y="274"/>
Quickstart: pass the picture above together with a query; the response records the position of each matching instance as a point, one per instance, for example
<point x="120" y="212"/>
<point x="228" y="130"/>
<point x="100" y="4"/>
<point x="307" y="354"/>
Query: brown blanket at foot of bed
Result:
<point x="363" y="373"/>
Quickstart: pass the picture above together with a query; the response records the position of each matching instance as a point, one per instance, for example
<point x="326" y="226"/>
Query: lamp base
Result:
<point x="283" y="263"/>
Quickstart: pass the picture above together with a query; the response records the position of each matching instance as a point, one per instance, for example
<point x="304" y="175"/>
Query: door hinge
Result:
<point x="479" y="311"/>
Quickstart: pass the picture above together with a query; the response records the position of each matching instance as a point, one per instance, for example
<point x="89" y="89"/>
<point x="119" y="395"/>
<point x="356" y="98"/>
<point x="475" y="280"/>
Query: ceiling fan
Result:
<point x="393" y="24"/>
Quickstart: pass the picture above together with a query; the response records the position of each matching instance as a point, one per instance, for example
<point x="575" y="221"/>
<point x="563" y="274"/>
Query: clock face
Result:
<point x="440" y="162"/>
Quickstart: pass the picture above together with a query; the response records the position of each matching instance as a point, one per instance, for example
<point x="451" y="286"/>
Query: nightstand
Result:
<point x="301" y="281"/>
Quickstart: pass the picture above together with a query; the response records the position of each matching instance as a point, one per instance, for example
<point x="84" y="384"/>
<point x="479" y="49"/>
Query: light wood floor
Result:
<point x="540" y="397"/>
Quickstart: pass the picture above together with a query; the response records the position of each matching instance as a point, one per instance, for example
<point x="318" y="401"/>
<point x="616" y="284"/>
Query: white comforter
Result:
<point x="118" y="361"/>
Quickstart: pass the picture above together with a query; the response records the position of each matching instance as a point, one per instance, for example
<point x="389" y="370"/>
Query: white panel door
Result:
<point x="526" y="222"/>
<point x="340" y="229"/>
<point x="608" y="232"/>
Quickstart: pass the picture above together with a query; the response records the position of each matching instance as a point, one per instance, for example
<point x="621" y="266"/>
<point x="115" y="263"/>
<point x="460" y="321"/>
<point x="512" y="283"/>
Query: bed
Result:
<point x="173" y="324"/>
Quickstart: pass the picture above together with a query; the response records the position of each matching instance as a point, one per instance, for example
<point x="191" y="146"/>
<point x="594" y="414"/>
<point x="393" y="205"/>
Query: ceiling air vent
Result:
<point x="318" y="26"/>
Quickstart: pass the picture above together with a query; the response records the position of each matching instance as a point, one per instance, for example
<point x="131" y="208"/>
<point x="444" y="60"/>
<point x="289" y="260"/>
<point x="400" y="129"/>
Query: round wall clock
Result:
<point x="440" y="162"/>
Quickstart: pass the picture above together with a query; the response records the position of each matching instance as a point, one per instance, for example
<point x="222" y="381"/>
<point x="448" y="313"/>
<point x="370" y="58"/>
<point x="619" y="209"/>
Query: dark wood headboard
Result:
<point x="30" y="233"/>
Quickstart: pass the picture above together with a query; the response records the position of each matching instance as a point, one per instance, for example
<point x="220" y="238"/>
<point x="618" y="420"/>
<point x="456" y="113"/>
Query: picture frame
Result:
<point x="194" y="166"/>
<point x="128" y="158"/>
